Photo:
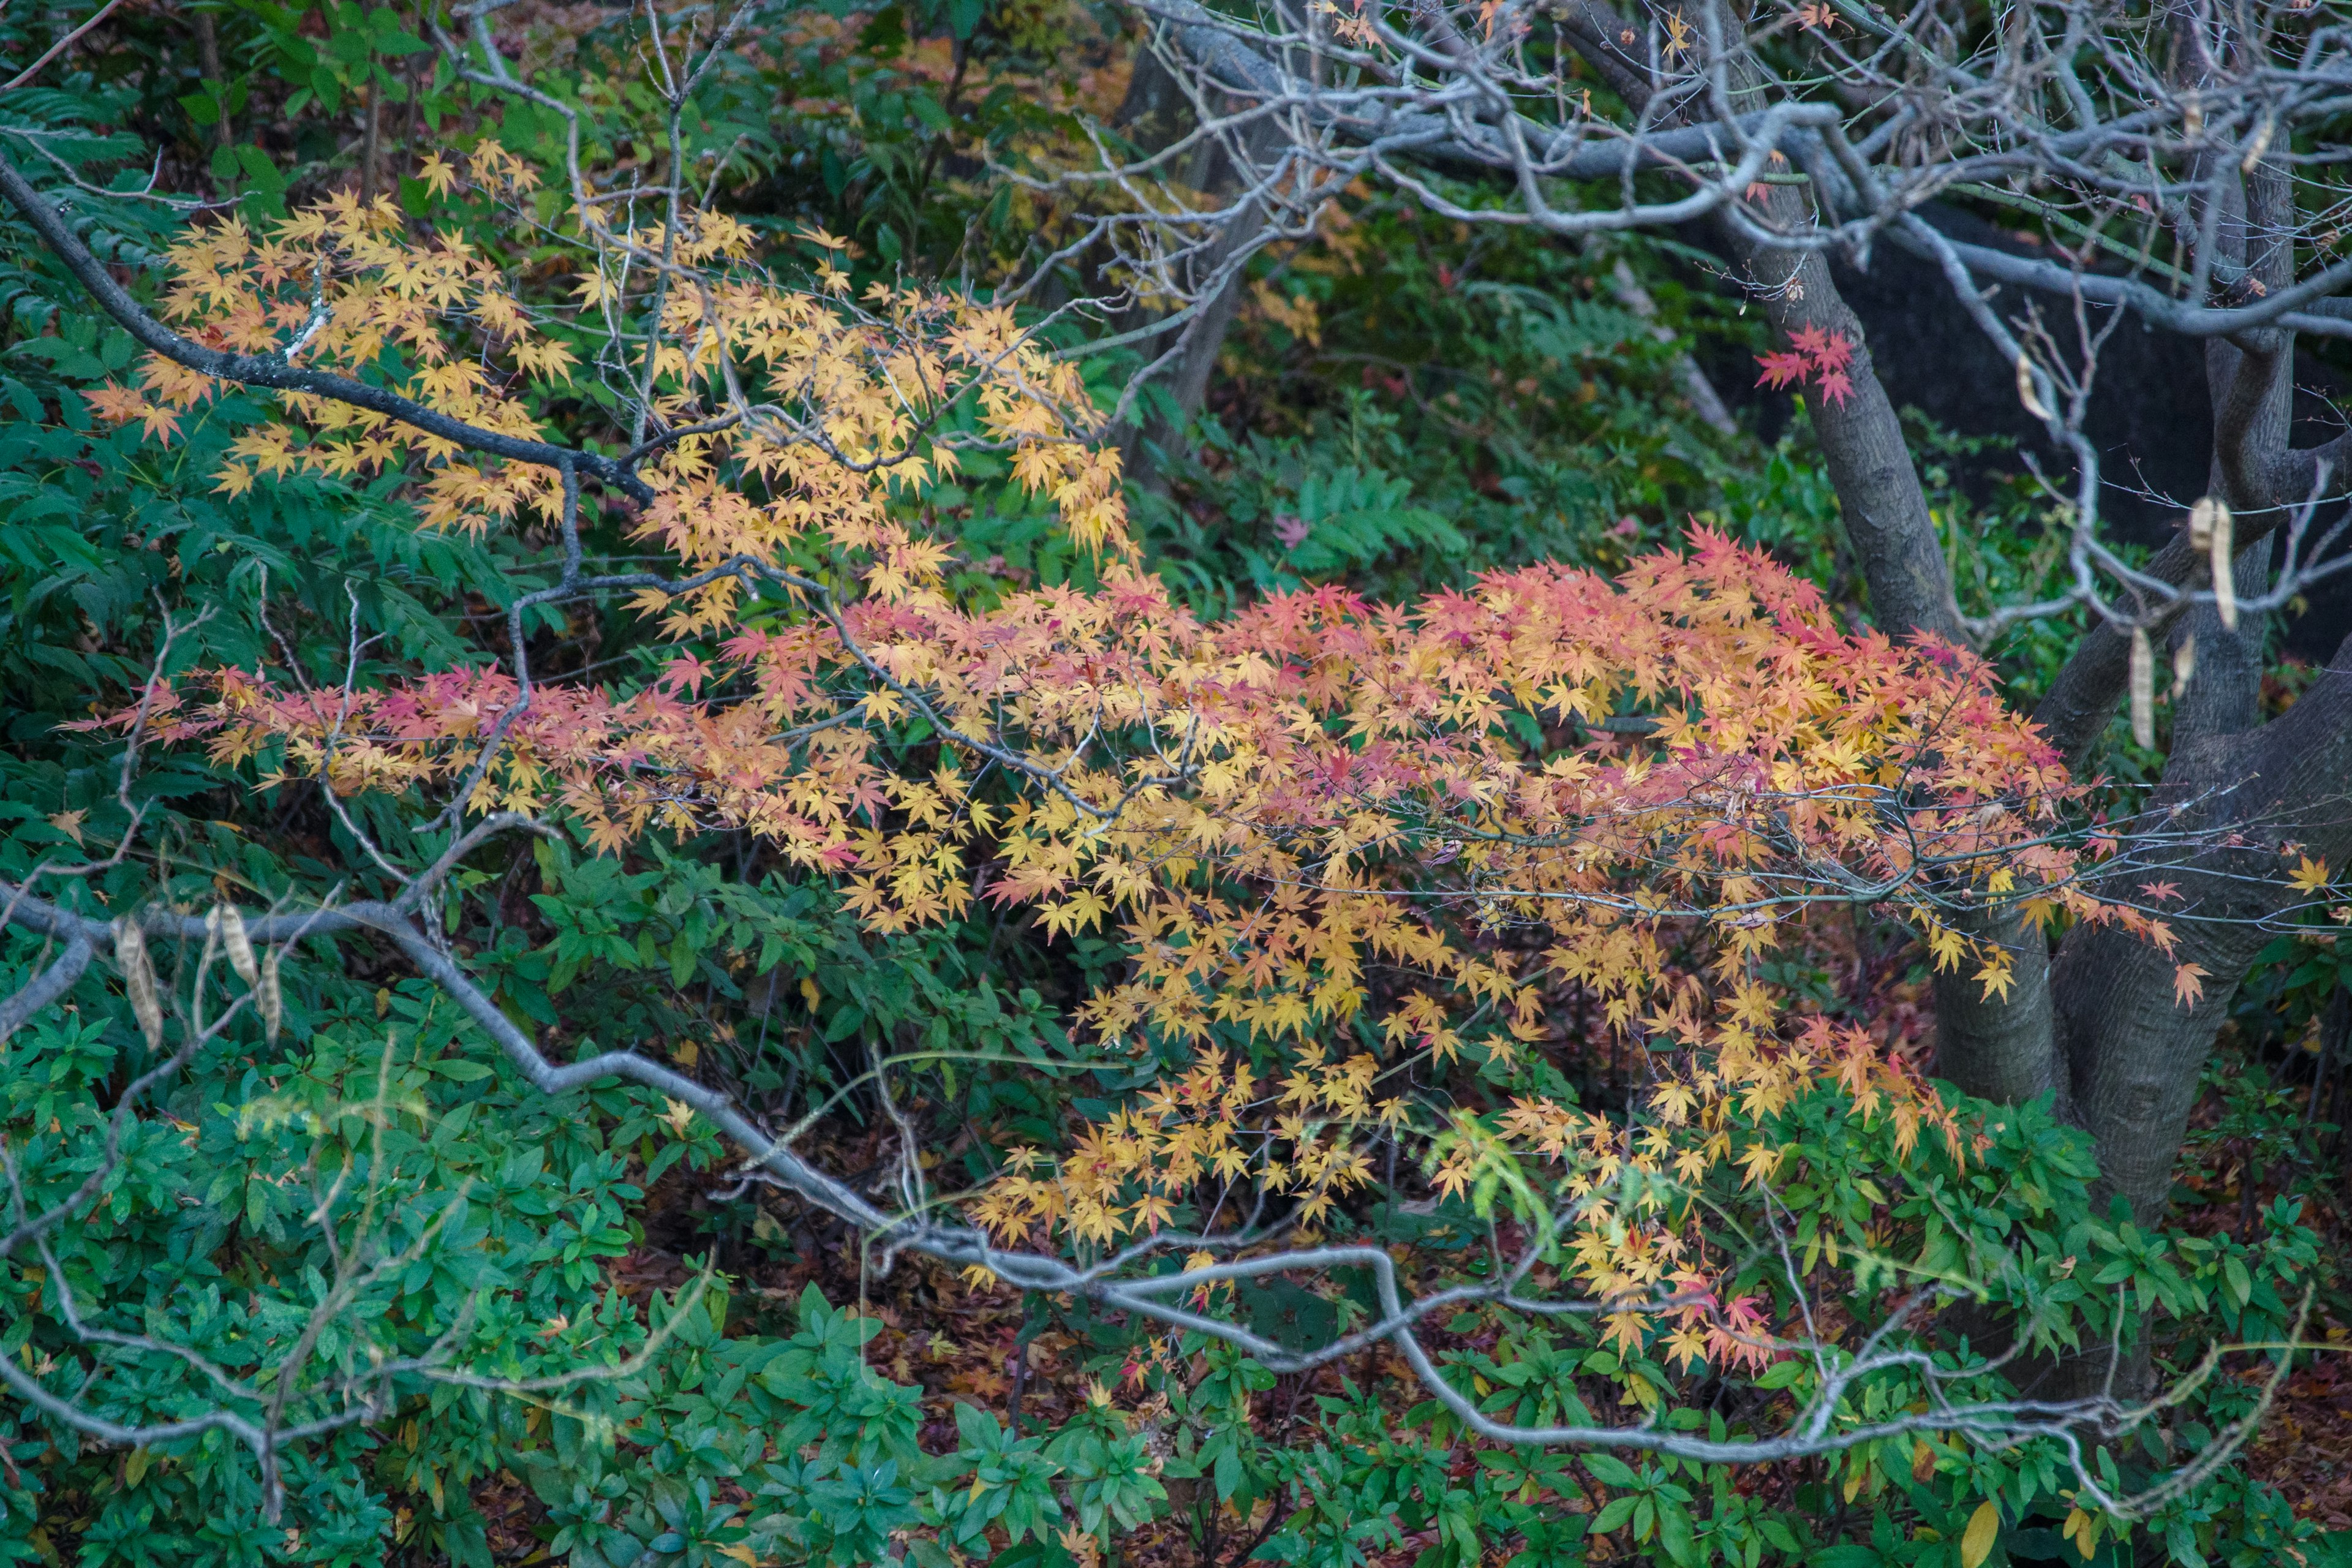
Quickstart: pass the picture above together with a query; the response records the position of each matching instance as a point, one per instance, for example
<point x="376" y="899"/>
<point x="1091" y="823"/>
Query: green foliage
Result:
<point x="1412" y="408"/>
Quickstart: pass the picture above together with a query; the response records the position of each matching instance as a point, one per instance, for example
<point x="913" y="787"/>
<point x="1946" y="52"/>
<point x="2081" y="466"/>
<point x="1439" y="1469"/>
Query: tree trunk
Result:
<point x="208" y="60"/>
<point x="2133" y="1050"/>
<point x="1156" y="114"/>
<point x="1880" y="500"/>
<point x="2000" y="1048"/>
<point x="372" y="146"/>
<point x="1186" y="385"/>
<point x="2134" y="1041"/>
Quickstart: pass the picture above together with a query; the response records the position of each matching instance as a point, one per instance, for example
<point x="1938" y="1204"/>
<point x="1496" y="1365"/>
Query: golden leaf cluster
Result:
<point x="824" y="409"/>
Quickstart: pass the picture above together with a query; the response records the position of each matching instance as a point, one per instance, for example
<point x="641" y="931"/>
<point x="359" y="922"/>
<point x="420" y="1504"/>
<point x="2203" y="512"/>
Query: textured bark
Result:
<point x="2256" y="469"/>
<point x="2224" y="695"/>
<point x="2252" y="388"/>
<point x="2002" y="1048"/>
<point x="2133" y="1050"/>
<point x="372" y="146"/>
<point x="2075" y="712"/>
<point x="1879" y="497"/>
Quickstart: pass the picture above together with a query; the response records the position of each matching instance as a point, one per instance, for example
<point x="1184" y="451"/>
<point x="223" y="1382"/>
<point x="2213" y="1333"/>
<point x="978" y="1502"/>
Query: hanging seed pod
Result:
<point x="268" y="996"/>
<point x="230" y="926"/>
<point x="2224" y="559"/>
<point x="2184" y="666"/>
<point x="2143" y="689"/>
<point x="2026" y="392"/>
<point x="2200" y="524"/>
<point x="138" y="980"/>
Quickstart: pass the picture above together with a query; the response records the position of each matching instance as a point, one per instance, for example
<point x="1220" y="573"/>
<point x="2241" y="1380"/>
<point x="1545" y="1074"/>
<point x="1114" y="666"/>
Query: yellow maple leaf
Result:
<point x="1673" y="1101"/>
<point x="1761" y="1160"/>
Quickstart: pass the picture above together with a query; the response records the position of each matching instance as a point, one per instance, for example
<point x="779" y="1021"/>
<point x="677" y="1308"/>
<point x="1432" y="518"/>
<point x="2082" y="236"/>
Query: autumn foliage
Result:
<point x="1816" y="357"/>
<point x="1319" y="819"/>
<point x="959" y="782"/>
<point x="842" y="393"/>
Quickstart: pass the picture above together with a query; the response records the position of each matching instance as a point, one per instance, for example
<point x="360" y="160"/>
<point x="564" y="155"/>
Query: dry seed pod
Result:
<point x="231" y="927"/>
<point x="2143" y="689"/>
<point x="2200" y="524"/>
<point x="266" y="994"/>
<point x="2184" y="666"/>
<point x="2025" y="390"/>
<point x="2224" y="563"/>
<point x="2259" y="145"/>
<point x="138" y="980"/>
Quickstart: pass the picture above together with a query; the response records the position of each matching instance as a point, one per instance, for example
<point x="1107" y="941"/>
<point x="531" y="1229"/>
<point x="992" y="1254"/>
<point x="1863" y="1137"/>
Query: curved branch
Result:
<point x="1814" y="1433"/>
<point x="47" y="986"/>
<point x="2299" y="308"/>
<point x="273" y="371"/>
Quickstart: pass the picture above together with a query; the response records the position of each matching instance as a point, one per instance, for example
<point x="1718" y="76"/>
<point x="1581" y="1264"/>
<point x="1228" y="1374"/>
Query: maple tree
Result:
<point x="1351" y="879"/>
<point x="1266" y="806"/>
<point x="1318" y="818"/>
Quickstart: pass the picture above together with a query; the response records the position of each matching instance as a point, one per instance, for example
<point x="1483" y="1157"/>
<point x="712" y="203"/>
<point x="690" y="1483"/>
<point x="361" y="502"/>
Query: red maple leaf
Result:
<point x="685" y="673"/>
<point x="1782" y="369"/>
<point x="1837" y="386"/>
<point x="1810" y="341"/>
<point x="1835" y="351"/>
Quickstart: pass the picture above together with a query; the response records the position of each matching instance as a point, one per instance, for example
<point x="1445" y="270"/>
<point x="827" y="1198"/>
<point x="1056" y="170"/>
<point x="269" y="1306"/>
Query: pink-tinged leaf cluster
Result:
<point x="1364" y="766"/>
<point x="1816" y="357"/>
<point x="1319" y="822"/>
<point x="1318" y="810"/>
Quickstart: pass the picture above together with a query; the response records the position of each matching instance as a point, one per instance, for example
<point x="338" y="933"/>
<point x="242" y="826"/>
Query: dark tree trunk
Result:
<point x="1156" y="114"/>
